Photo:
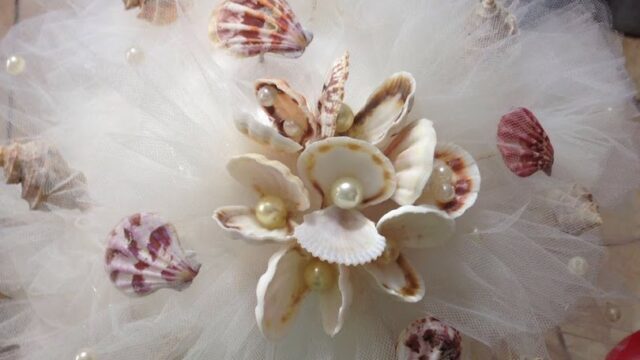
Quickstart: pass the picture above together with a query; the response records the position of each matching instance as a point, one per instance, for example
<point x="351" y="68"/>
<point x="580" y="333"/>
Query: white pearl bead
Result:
<point x="443" y="191"/>
<point x="271" y="212"/>
<point x="319" y="275"/>
<point x="578" y="265"/>
<point x="84" y="354"/>
<point x="267" y="95"/>
<point x="292" y="129"/>
<point x="16" y="65"/>
<point x="346" y="193"/>
<point x="344" y="121"/>
<point x="134" y="55"/>
<point x="442" y="171"/>
<point x="613" y="312"/>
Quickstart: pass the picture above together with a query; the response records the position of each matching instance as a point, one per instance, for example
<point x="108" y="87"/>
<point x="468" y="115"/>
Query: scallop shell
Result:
<point x="416" y="226"/>
<point x="429" y="338"/>
<point x="255" y="27"/>
<point x="289" y="108"/>
<point x="411" y="153"/>
<point x="465" y="180"/>
<point x="523" y="143"/>
<point x="384" y="114"/>
<point x="332" y="95"/>
<point x="242" y="223"/>
<point x="158" y="12"/>
<point x="575" y="210"/>
<point x="265" y="134"/>
<point x="344" y="237"/>
<point x="398" y="278"/>
<point x="144" y="255"/>
<point x="325" y="161"/>
<point x="47" y="180"/>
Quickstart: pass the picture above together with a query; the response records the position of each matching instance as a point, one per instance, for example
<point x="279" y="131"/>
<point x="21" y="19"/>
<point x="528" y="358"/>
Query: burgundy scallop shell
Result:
<point x="523" y="143"/>
<point x="429" y="338"/>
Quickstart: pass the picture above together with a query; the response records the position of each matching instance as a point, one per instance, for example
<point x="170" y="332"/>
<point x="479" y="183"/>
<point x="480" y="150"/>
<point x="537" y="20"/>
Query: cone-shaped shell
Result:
<point x="144" y="255"/>
<point x="523" y="143"/>
<point x="429" y="338"/>
<point x="332" y="95"/>
<point x="253" y="27"/>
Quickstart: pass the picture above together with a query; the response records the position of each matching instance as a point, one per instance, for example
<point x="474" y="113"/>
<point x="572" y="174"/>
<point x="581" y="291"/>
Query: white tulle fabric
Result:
<point x="156" y="137"/>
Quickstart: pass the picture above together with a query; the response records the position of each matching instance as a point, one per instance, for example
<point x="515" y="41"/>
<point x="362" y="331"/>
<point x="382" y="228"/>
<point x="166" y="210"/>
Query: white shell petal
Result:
<point x="265" y="134"/>
<point x="398" y="278"/>
<point x="416" y="226"/>
<point x="269" y="177"/>
<point x="325" y="161"/>
<point x="332" y="95"/>
<point x="241" y="222"/>
<point x="280" y="292"/>
<point x="335" y="303"/>
<point x="411" y="153"/>
<point x="384" y="114"/>
<point x="465" y="180"/>
<point x="340" y="236"/>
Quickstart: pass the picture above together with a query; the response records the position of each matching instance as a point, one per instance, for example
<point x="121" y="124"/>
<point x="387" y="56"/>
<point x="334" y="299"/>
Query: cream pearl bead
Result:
<point x="267" y="95"/>
<point x="578" y="265"/>
<point x="443" y="191"/>
<point x="442" y="171"/>
<point x="346" y="193"/>
<point x="84" y="354"/>
<point x="134" y="55"/>
<point x="613" y="312"/>
<point x="291" y="129"/>
<point x="16" y="65"/>
<point x="345" y="118"/>
<point x="271" y="212"/>
<point x="319" y="275"/>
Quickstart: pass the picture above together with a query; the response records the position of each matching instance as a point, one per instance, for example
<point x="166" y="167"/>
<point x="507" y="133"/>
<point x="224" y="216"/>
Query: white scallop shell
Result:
<point x="340" y="236"/>
<point x="269" y="177"/>
<point x="265" y="134"/>
<point x="411" y="153"/>
<point x="242" y="223"/>
<point x="325" y="161"/>
<point x="384" y="114"/>
<point x="398" y="278"/>
<point x="332" y="95"/>
<point x="416" y="226"/>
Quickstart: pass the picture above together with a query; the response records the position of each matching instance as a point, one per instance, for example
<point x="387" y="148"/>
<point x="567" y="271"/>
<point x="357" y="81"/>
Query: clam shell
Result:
<point x="575" y="210"/>
<point x="465" y="180"/>
<point x="340" y="236"/>
<point x="332" y="95"/>
<point x="241" y="222"/>
<point x="411" y="153"/>
<point x="144" y="255"/>
<point x="416" y="226"/>
<point x="253" y="27"/>
<point x="429" y="338"/>
<point x="265" y="134"/>
<point x="398" y="278"/>
<point x="325" y="161"/>
<point x="384" y="114"/>
<point x="269" y="177"/>
<point x="523" y="143"/>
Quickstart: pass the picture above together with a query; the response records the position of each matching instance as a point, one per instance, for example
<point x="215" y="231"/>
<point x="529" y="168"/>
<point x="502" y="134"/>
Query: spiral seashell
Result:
<point x="255" y="27"/>
<point x="429" y="338"/>
<point x="158" y="12"/>
<point x="144" y="255"/>
<point x="46" y="178"/>
<point x="523" y="143"/>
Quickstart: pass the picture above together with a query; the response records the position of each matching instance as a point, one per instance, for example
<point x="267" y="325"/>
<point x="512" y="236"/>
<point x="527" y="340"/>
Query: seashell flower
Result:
<point x="144" y="255"/>
<point x="251" y="27"/>
<point x="523" y="143"/>
<point x="158" y="12"/>
<point x="429" y="338"/>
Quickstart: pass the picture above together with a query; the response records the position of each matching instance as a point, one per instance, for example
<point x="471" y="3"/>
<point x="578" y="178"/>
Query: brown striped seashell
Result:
<point x="255" y="27"/>
<point x="429" y="338"/>
<point x="523" y="143"/>
<point x="332" y="95"/>
<point x="158" y="12"/>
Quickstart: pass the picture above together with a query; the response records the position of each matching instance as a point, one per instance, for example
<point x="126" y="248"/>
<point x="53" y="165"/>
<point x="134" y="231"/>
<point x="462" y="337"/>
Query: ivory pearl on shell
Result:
<point x="267" y="95"/>
<point x="346" y="193"/>
<point x="319" y="275"/>
<point x="344" y="121"/>
<point x="443" y="191"/>
<point x="271" y="212"/>
<point x="16" y="65"/>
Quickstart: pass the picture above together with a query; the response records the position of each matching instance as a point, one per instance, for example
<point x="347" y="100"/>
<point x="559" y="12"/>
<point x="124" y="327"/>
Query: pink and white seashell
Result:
<point x="429" y="338"/>
<point x="144" y="255"/>
<point x="523" y="143"/>
<point x="255" y="27"/>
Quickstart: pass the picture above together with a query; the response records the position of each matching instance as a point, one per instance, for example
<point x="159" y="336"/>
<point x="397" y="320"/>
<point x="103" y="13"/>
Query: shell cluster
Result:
<point x="429" y="338"/>
<point x="47" y="180"/>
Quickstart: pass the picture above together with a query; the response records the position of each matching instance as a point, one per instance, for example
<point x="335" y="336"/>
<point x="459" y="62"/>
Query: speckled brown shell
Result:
<point x="429" y="339"/>
<point x="332" y="95"/>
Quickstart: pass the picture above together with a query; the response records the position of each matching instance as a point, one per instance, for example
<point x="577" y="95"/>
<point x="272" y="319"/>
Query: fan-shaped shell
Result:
<point x="465" y="180"/>
<point x="265" y="134"/>
<point x="384" y="114"/>
<point x="416" y="226"/>
<point x="398" y="278"/>
<point x="332" y="95"/>
<point x="158" y="12"/>
<point x="254" y="27"/>
<point x="241" y="222"/>
<point x="325" y="161"/>
<point x="523" y="143"/>
<point x="144" y="254"/>
<point x="429" y="338"/>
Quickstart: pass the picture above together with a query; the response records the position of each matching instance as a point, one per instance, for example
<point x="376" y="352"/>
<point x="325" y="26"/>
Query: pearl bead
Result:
<point x="292" y="129"/>
<point x="319" y="275"/>
<point x="16" y="65"/>
<point x="84" y="354"/>
<point x="344" y="121"/>
<point x="346" y="193"/>
<point x="267" y="95"/>
<point x="134" y="55"/>
<point x="443" y="191"/>
<point x="578" y="265"/>
<point x="613" y="312"/>
<point x="271" y="212"/>
<point x="442" y="171"/>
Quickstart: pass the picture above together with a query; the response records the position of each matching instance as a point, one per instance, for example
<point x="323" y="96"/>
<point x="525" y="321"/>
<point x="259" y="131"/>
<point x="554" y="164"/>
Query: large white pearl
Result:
<point x="271" y="212"/>
<point x="442" y="171"/>
<point x="84" y="354"/>
<point x="134" y="55"/>
<point x="346" y="193"/>
<point x="16" y="65"/>
<point x="267" y="95"/>
<point x="319" y="275"/>
<point x="578" y="265"/>
<point x="344" y="121"/>
<point x="292" y="129"/>
<point x="443" y="191"/>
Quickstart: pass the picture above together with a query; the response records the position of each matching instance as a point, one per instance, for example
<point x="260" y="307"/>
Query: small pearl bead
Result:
<point x="344" y="121"/>
<point x="84" y="354"/>
<point x="267" y="95"/>
<point x="346" y="193"/>
<point x="442" y="171"/>
<point x="319" y="275"/>
<point x="271" y="212"/>
<point x="443" y="191"/>
<point x="292" y="129"/>
<point x="16" y="65"/>
<point x="578" y="265"/>
<point x="613" y="312"/>
<point x="134" y="55"/>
